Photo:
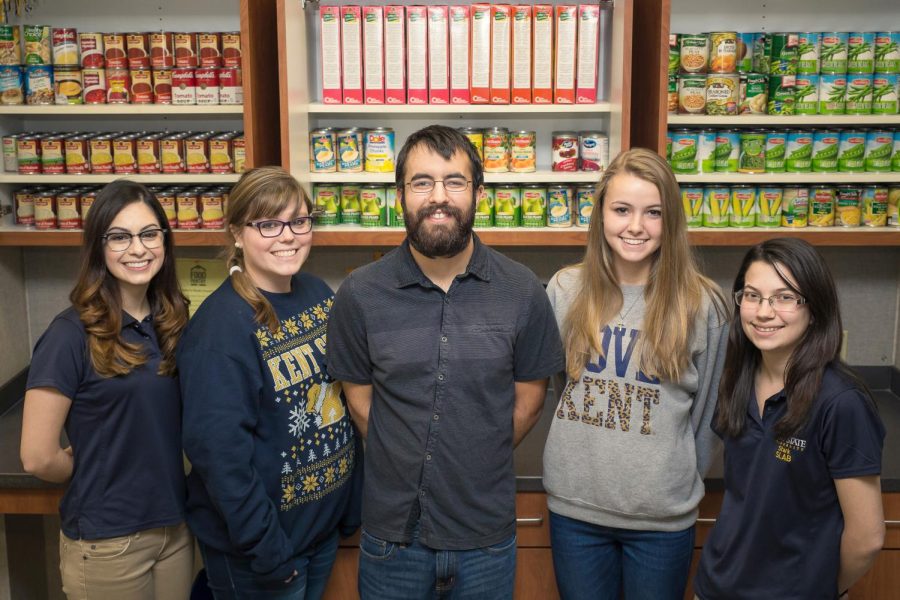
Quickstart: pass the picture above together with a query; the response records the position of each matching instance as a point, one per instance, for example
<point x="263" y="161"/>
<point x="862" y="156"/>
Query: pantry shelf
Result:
<point x="452" y="109"/>
<point x="777" y="120"/>
<point x="198" y="178"/>
<point x="123" y="109"/>
<point x="536" y="177"/>
<point x="757" y="178"/>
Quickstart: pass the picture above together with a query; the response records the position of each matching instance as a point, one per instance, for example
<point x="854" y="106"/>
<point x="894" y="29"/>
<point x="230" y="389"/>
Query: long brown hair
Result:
<point x="96" y="294"/>
<point x="263" y="192"/>
<point x="674" y="292"/>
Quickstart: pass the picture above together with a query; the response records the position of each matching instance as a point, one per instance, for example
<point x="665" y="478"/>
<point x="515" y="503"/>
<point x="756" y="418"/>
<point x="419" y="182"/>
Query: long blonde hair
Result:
<point x="674" y="292"/>
<point x="263" y="192"/>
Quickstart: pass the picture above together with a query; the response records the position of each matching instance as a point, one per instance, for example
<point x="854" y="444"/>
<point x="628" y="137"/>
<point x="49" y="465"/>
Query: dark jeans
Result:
<point x="389" y="571"/>
<point x="592" y="561"/>
<point x="231" y="578"/>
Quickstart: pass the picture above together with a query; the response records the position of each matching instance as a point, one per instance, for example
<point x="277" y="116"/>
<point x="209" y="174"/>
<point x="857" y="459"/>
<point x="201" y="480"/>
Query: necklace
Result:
<point x="621" y="319"/>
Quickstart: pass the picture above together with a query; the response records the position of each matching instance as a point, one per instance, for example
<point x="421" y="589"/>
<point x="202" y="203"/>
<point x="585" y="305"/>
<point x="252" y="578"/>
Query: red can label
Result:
<point x="124" y="156"/>
<point x="118" y="86"/>
<point x="186" y="50"/>
<point x="231" y="49"/>
<point x="137" y="46"/>
<point x="91" y="45"/>
<point x="101" y="156"/>
<point x="162" y="50"/>
<point x="184" y="86"/>
<point x="162" y="86"/>
<point x="94" y="82"/>
<point x="210" y="46"/>
<point x="68" y="211"/>
<point x="230" y="89"/>
<point x="45" y="211"/>
<point x="65" y="46"/>
<point x="114" y="51"/>
<point x="28" y="154"/>
<point x="565" y="153"/>
<point x="207" y="86"/>
<point x="76" y="156"/>
<point x="141" y="86"/>
<point x="188" y="207"/>
<point x="52" y="156"/>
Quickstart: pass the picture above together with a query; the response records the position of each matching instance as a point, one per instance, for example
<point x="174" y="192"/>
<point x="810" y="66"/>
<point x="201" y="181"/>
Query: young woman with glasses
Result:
<point x="272" y="449"/>
<point x="629" y="443"/>
<point x="802" y="514"/>
<point x="105" y="371"/>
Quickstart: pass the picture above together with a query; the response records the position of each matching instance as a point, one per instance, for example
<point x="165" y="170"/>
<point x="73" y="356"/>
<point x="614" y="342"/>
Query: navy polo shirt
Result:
<point x="125" y="433"/>
<point x="778" y="533"/>
<point x="443" y="368"/>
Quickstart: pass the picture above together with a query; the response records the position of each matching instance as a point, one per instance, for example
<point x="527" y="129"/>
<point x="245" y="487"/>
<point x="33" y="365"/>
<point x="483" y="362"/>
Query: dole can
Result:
<point x="379" y="150"/>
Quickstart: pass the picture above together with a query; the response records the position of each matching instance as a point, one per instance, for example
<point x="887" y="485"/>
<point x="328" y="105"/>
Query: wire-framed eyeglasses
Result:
<point x="782" y="302"/>
<point x="120" y="241"/>
<point x="270" y="228"/>
<point x="453" y="185"/>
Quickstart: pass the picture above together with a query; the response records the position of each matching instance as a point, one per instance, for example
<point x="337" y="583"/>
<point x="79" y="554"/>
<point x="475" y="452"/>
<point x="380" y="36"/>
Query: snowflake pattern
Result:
<point x="306" y="320"/>
<point x="262" y="336"/>
<point x="319" y="313"/>
<point x="290" y="326"/>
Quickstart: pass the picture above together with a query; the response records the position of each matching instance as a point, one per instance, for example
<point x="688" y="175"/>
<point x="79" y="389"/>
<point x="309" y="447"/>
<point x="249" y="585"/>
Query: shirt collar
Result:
<point x="409" y="272"/>
<point x="129" y="321"/>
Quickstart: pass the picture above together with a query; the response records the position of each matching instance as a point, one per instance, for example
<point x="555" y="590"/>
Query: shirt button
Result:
<point x="446" y="300"/>
<point x="427" y="457"/>
<point x="444" y="338"/>
<point x="440" y="376"/>
<point x="422" y="493"/>
<point x="435" y="417"/>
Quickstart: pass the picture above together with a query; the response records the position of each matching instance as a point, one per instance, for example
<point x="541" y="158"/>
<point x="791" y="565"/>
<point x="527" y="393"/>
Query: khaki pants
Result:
<point x="154" y="564"/>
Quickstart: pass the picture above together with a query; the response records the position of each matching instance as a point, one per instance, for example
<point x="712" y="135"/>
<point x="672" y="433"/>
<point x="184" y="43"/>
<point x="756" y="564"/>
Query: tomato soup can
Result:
<point x="692" y="201"/>
<point x="350" y="207"/>
<point x="37" y="44"/>
<point x="833" y="56"/>
<point x="379" y="150"/>
<point x="231" y="49"/>
<point x="114" y="51"/>
<point x="184" y="86"/>
<point x="508" y="206"/>
<point x="496" y="150"/>
<point x="848" y="206"/>
<point x="350" y="150"/>
<point x="861" y="52"/>
<point x="65" y="46"/>
<point x="12" y="85"/>
<point x="808" y="49"/>
<point x="231" y="90"/>
<point x="327" y="202"/>
<point x="141" y="86"/>
<point x="875" y="205"/>
<point x="118" y="86"/>
<point x="879" y="146"/>
<point x="162" y="50"/>
<point x="826" y="146"/>
<point x="39" y="85"/>
<point x="728" y="147"/>
<point x="93" y="86"/>
<point x="10" y="45"/>
<point x="795" y="206"/>
<point x="24" y="200"/>
<point x="887" y="52"/>
<point x="716" y="205"/>
<point x="90" y="45"/>
<point x="137" y="48"/>
<point x="852" y="151"/>
<point x="684" y="151"/>
<point x="322" y="151"/>
<point x="45" y="210"/>
<point x="77" y="155"/>
<point x="207" y="85"/>
<point x="210" y="49"/>
<point x="770" y="198"/>
<point x="372" y="205"/>
<point x="186" y="54"/>
<point x="798" y="151"/>
<point x="534" y="205"/>
<point x="775" y="148"/>
<point x="68" y="209"/>
<point x="162" y="86"/>
<point x="564" y="151"/>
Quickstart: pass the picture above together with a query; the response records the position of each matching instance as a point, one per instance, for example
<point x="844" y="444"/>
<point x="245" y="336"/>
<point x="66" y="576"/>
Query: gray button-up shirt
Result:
<point x="443" y="367"/>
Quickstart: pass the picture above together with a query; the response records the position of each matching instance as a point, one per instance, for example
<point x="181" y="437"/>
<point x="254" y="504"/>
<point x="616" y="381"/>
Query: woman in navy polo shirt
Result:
<point x="105" y="368"/>
<point x="802" y="515"/>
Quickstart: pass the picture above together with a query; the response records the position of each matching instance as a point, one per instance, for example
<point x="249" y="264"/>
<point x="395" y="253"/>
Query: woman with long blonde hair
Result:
<point x="645" y="334"/>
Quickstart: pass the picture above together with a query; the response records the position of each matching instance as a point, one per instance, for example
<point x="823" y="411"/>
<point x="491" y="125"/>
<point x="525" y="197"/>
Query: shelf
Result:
<point x="123" y="109"/>
<point x="536" y="177"/>
<point x="790" y="178"/>
<point x="200" y="178"/>
<point x="453" y="109"/>
<point x="777" y="120"/>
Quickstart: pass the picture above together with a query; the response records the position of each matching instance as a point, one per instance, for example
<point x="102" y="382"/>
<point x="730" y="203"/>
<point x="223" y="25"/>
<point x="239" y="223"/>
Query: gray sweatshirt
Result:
<point x="626" y="450"/>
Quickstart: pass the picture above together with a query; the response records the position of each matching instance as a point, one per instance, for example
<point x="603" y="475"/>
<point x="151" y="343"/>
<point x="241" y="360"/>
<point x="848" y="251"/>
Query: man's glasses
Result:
<point x="120" y="241"/>
<point x="270" y="228"/>
<point x="453" y="185"/>
<point x="783" y="302"/>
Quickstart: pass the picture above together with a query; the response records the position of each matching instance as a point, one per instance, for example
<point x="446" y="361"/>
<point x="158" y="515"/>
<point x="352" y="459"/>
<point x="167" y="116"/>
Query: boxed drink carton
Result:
<point x="351" y="53"/>
<point x="330" y="23"/>
<point x="566" y="44"/>
<point x="542" y="63"/>
<point x="459" y="54"/>
<point x="395" y="54"/>
<point x="480" y="83"/>
<point x="588" y="53"/>
<point x="438" y="62"/>
<point x="501" y="36"/>
<point x="521" y="54"/>
<point x="417" y="54"/>
<point x="373" y="48"/>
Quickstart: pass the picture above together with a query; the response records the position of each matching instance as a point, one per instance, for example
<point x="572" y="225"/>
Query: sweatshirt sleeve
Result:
<point x="221" y="396"/>
<point x="709" y="364"/>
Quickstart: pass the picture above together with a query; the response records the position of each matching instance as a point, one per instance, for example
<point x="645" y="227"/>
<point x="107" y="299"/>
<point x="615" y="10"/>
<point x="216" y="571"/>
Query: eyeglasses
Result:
<point x="453" y="185"/>
<point x="270" y="228"/>
<point x="120" y="241"/>
<point x="783" y="302"/>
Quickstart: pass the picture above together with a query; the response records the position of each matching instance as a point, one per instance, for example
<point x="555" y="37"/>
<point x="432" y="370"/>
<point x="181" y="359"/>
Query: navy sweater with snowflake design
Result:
<point x="271" y="445"/>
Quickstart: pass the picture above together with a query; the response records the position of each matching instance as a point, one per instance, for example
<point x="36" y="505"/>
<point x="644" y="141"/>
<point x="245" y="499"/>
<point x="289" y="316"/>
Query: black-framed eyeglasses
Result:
<point x="783" y="302"/>
<point x="270" y="228"/>
<point x="120" y="241"/>
<point x="453" y="185"/>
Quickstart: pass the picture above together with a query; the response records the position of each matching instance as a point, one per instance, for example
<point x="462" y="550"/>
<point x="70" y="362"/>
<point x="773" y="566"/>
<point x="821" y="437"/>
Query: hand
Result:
<point x="291" y="578"/>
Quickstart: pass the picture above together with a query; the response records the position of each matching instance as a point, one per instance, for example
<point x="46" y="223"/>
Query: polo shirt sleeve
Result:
<point x="348" y="347"/>
<point x="852" y="436"/>
<point x="538" y="349"/>
<point x="59" y="359"/>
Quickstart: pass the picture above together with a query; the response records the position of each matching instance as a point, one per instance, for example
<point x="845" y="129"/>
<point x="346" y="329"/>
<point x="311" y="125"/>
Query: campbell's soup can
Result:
<point x="114" y="51"/>
<point x="37" y="44"/>
<point x="137" y="47"/>
<point x="162" y="86"/>
<point x="91" y="46"/>
<point x="93" y="86"/>
<point x="196" y="153"/>
<point x="118" y="86"/>
<point x="162" y="50"/>
<point x="209" y="45"/>
<point x="594" y="150"/>
<point x="212" y="209"/>
<point x="10" y="45"/>
<point x="186" y="54"/>
<point x="147" y="148"/>
<point x="77" y="152"/>
<point x="171" y="149"/>
<point x="207" y="85"/>
<point x="187" y="205"/>
<point x="231" y="48"/>
<point x="24" y="199"/>
<point x="52" y="155"/>
<point x="125" y="154"/>
<point x="68" y="209"/>
<point x="28" y="155"/>
<point x="65" y="46"/>
<point x="565" y="151"/>
<point x="67" y="84"/>
<point x="231" y="90"/>
<point x="12" y="85"/>
<point x="184" y="86"/>
<point x="45" y="210"/>
<point x="101" y="154"/>
<point x="239" y="146"/>
<point x="141" y="86"/>
<point x="221" y="158"/>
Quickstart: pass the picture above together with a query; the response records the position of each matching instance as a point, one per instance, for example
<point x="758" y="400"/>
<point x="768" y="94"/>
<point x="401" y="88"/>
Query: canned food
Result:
<point x="833" y="57"/>
<point x="534" y="205"/>
<point x="184" y="86"/>
<point x="11" y="85"/>
<point x="852" y="151"/>
<point x="716" y="205"/>
<point x="187" y="206"/>
<point x="879" y="147"/>
<point x="484" y="208"/>
<point x="760" y="60"/>
<point x="393" y="207"/>
<point x="728" y="146"/>
<point x="148" y="156"/>
<point x="692" y="94"/>
<point x="65" y="46"/>
<point x="769" y="200"/>
<point x="832" y="94"/>
<point x="162" y="86"/>
<point x="674" y="54"/>
<point x="826" y="145"/>
<point x="45" y="210"/>
<point x="684" y="151"/>
<point x="723" y="49"/>
<point x="141" y="86"/>
<point x="166" y="197"/>
<point x="693" y="52"/>
<point x="137" y="48"/>
<point x="327" y="202"/>
<point x="210" y="49"/>
<point x="322" y="151"/>
<point x="821" y="206"/>
<point x="895" y="156"/>
<point x="24" y="199"/>
<point x="706" y="150"/>
<point x="373" y="206"/>
<point x="887" y="52"/>
<point x="781" y="94"/>
<point x="875" y="205"/>
<point x="672" y="97"/>
<point x="496" y="150"/>
<point x="861" y="52"/>
<point x="379" y="150"/>
<point x="795" y="206"/>
<point x="221" y="154"/>
<point x="28" y="155"/>
<point x="39" y="85"/>
<point x="77" y="153"/>
<point x="238" y="144"/>
<point x="848" y="206"/>
<point x="584" y="205"/>
<point x="196" y="153"/>
<point x="186" y="54"/>
<point x="68" y="209"/>
<point x="91" y="47"/>
<point x="10" y="162"/>
<point x="230" y="86"/>
<point x="783" y="58"/>
<point x="885" y="90"/>
<point x="893" y="211"/>
<point x="52" y="155"/>
<point x="10" y="45"/>
<point x="775" y="147"/>
<point x="118" y="86"/>
<point x="162" y="50"/>
<point x="350" y="207"/>
<point x="522" y="152"/>
<point x="798" y="151"/>
<point x="207" y="85"/>
<point x="692" y="201"/>
<point x="114" y="51"/>
<point x="559" y="212"/>
<point x="350" y="150"/>
<point x="755" y="95"/>
<point x="212" y="210"/>
<point x="67" y="84"/>
<point x="101" y="154"/>
<point x="593" y="147"/>
<point x="171" y="151"/>
<point x="564" y="151"/>
<point x="806" y="95"/>
<point x="809" y="45"/>
<point x="752" y="158"/>
<point x="37" y="44"/>
<point x="507" y="205"/>
<point x="231" y="49"/>
<point x="859" y="94"/>
<point x="744" y="206"/>
<point x="94" y="86"/>
<point x="722" y="94"/>
<point x="125" y="154"/>
<point x="745" y="51"/>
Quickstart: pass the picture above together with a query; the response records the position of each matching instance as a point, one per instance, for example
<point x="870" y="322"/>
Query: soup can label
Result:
<point x="39" y="85"/>
<point x="770" y="198"/>
<point x="186" y="54"/>
<point x="859" y="94"/>
<point x="684" y="151"/>
<point x="125" y="155"/>
<point x="722" y="94"/>
<point x="231" y="48"/>
<point x="230" y="86"/>
<point x="114" y="51"/>
<point x="379" y="150"/>
<point x="239" y="145"/>
<point x="795" y="206"/>
<point x="832" y="94"/>
<point x="118" y="86"/>
<point x="67" y="85"/>
<point x="37" y="44"/>
<point x="861" y="52"/>
<point x="91" y="46"/>
<point x="693" y="52"/>
<point x="887" y="52"/>
<point x="879" y="146"/>
<point x="184" y="86"/>
<point x="210" y="47"/>
<point x="148" y="157"/>
<point x="52" y="155"/>
<point x="141" y="86"/>
<point x="12" y="85"/>
<point x="507" y="206"/>
<point x="162" y="50"/>
<point x="744" y="206"/>
<point x="28" y="155"/>
<point x="327" y="200"/>
<point x="65" y="46"/>
<point x="728" y="147"/>
<point x="196" y="154"/>
<point x="373" y="206"/>
<point x="692" y="201"/>
<point x="10" y="162"/>
<point x="221" y="155"/>
<point x="848" y="206"/>
<point x="833" y="57"/>
<point x="716" y="205"/>
<point x="559" y="206"/>
<point x="852" y="151"/>
<point x="706" y="150"/>
<point x="68" y="211"/>
<point x="893" y="212"/>
<point x="137" y="48"/>
<point x="775" y="147"/>
<point x="885" y="90"/>
<point x="94" y="83"/>
<point x="171" y="151"/>
<point x="692" y="94"/>
<point x="808" y="48"/>
<point x="799" y="147"/>
<point x="166" y="198"/>
<point x="76" y="153"/>
<point x="187" y="205"/>
<point x="394" y="206"/>
<point x="162" y="86"/>
<point x="584" y="205"/>
<point x="350" y="208"/>
<point x="10" y="45"/>
<point x="821" y="206"/>
<point x="752" y="157"/>
<point x="207" y="86"/>
<point x="484" y="208"/>
<point x="24" y="207"/>
<point x="825" y="151"/>
<point x="534" y="206"/>
<point x="212" y="213"/>
<point x="806" y="95"/>
<point x="45" y="211"/>
<point x="875" y="205"/>
<point x="350" y="146"/>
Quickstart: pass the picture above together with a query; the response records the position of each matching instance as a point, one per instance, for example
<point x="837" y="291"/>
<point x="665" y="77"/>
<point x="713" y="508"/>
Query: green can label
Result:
<point x="879" y="147"/>
<point x="809" y="44"/>
<point x="327" y="200"/>
<point x="753" y="153"/>
<point x="728" y="146"/>
<point x="684" y="152"/>
<point x="833" y="57"/>
<point x="674" y="54"/>
<point x="784" y="57"/>
<point x="852" y="151"/>
<point x="716" y="201"/>
<point x="507" y="206"/>
<point x="781" y="94"/>
<point x="875" y="205"/>
<point x="484" y="208"/>
<point x="887" y="52"/>
<point x="706" y="150"/>
<point x="861" y="52"/>
<point x="895" y="156"/>
<point x="584" y="204"/>
<point x="373" y="206"/>
<point x="794" y="206"/>
<point x="755" y="97"/>
<point x="825" y="151"/>
<point x="534" y="206"/>
<point x="832" y="94"/>
<point x="350" y="207"/>
<point x="806" y="95"/>
<point x="821" y="206"/>
<point x="769" y="214"/>
<point x="744" y="206"/>
<point x="775" y="145"/>
<point x="885" y="91"/>
<point x="798" y="158"/>
<point x="395" y="207"/>
<point x="859" y="94"/>
<point x="692" y="200"/>
<point x="847" y="206"/>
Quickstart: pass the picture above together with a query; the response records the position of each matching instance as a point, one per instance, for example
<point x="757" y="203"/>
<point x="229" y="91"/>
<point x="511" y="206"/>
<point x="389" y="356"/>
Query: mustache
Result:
<point x="446" y="208"/>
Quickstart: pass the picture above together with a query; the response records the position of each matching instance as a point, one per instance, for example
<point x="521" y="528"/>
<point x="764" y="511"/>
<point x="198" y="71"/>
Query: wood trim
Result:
<point x="39" y="501"/>
<point x="282" y="88"/>
<point x="260" y="73"/>
<point x="649" y="64"/>
<point x="627" y="67"/>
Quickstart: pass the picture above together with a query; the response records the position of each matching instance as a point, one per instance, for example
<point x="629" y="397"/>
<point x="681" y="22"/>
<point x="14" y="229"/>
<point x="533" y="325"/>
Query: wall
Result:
<point x="14" y="338"/>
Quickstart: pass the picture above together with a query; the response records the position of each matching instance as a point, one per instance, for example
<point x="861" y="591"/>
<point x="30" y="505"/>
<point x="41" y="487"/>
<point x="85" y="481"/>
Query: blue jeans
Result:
<point x="592" y="561"/>
<point x="389" y="571"/>
<point x="231" y="578"/>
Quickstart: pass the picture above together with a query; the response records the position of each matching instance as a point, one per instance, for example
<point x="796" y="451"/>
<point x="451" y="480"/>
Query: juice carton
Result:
<point x="330" y="22"/>
<point x="566" y="42"/>
<point x="373" y="48"/>
<point x="417" y="54"/>
<point x="480" y="82"/>
<point x="351" y="53"/>
<point x="521" y="54"/>
<point x="588" y="53"/>
<point x="438" y="62"/>
<point x="395" y="54"/>
<point x="542" y="63"/>
<point x="459" y="54"/>
<point x="501" y="36"/>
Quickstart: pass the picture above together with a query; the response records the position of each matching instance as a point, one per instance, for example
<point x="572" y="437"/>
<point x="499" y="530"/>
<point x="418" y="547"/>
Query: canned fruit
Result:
<point x="350" y="151"/>
<point x="496" y="150"/>
<point x="507" y="206"/>
<point x="321" y="151"/>
<point x="484" y="208"/>
<point x="564" y="151"/>
<point x="522" y="153"/>
<point x="350" y="205"/>
<point x="594" y="150"/>
<point x="534" y="206"/>
<point x="559" y="206"/>
<point x="723" y="51"/>
<point x="373" y="206"/>
<point x="327" y="202"/>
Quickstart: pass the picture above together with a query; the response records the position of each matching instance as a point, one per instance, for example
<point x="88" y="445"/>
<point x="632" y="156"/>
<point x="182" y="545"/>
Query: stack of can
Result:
<point x="63" y="66"/>
<point x="351" y="150"/>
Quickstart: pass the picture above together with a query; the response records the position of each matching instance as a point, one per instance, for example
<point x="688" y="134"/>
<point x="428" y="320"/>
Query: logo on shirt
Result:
<point x="785" y="447"/>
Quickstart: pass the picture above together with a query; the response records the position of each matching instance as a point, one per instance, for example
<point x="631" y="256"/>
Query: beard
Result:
<point x="442" y="240"/>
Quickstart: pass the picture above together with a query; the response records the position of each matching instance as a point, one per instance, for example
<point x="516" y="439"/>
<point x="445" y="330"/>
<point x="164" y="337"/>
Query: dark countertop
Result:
<point x="527" y="456"/>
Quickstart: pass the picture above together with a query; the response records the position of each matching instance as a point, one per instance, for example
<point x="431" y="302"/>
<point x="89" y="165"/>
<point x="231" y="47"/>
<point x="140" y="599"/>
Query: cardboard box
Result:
<point x="459" y="54"/>
<point x="373" y="54"/>
<point x="395" y="55"/>
<point x="542" y="62"/>
<point x="521" y="54"/>
<point x="480" y="82"/>
<point x="566" y="44"/>
<point x="330" y="24"/>
<point x="438" y="60"/>
<point x="417" y="54"/>
<point x="501" y="37"/>
<point x="351" y="53"/>
<point x="588" y="53"/>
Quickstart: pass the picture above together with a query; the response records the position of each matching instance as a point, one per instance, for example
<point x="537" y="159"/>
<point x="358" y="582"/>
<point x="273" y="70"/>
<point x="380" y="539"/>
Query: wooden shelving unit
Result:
<point x="184" y="178"/>
<point x="102" y="110"/>
<point x="550" y="177"/>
